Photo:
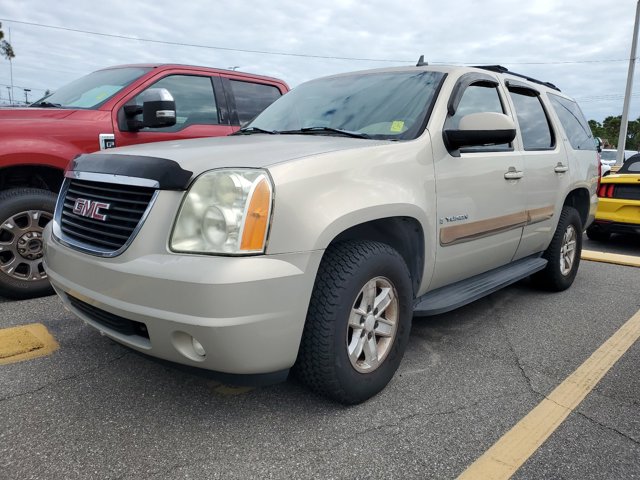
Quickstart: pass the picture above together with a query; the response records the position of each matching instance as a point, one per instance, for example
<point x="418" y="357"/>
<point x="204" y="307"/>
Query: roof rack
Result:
<point x="501" y="69"/>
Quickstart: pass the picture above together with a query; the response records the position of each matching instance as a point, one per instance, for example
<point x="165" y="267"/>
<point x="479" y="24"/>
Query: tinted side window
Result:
<point x="534" y="124"/>
<point x="573" y="122"/>
<point x="195" y="101"/>
<point x="475" y="99"/>
<point x="252" y="98"/>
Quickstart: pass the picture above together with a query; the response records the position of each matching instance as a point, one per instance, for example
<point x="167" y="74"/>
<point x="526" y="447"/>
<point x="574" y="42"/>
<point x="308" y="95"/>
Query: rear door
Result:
<point x="546" y="167"/>
<point x="247" y="98"/>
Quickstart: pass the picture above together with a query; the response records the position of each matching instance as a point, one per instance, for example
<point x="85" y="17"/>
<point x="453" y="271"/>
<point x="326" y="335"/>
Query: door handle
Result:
<point x="513" y="174"/>
<point x="560" y="168"/>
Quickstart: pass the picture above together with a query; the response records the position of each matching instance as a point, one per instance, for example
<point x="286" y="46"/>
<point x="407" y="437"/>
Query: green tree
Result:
<point x="609" y="131"/>
<point x="6" y="50"/>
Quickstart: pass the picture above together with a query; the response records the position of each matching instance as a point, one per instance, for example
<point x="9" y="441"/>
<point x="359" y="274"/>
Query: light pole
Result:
<point x="26" y="95"/>
<point x="622" y="139"/>
<point x="9" y="91"/>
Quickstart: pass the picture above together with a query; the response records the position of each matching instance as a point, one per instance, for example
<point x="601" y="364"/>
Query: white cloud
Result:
<point x="536" y="33"/>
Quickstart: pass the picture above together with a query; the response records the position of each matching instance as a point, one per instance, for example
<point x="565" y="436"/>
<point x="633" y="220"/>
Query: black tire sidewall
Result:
<point x="551" y="278"/>
<point x="12" y="202"/>
<point x="596" y="234"/>
<point x="359" y="386"/>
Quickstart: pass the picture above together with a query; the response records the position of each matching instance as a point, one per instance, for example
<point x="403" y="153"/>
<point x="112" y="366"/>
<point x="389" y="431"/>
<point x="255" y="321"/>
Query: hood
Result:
<point x="250" y="151"/>
<point x="32" y="114"/>
<point x="38" y="123"/>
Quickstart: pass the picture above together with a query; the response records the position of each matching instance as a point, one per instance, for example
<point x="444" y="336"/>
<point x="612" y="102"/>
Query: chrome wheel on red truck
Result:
<point x="24" y="213"/>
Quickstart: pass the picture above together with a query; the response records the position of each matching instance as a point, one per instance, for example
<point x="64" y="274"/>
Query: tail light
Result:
<point x="606" y="190"/>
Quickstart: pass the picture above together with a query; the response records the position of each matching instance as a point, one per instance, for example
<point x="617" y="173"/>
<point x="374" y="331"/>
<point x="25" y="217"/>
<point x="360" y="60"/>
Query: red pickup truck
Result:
<point x="107" y="108"/>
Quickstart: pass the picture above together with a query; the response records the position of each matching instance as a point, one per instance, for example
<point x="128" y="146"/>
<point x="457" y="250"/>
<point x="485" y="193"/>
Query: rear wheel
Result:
<point x="24" y="212"/>
<point x="358" y="322"/>
<point x="563" y="253"/>
<point x="596" y="234"/>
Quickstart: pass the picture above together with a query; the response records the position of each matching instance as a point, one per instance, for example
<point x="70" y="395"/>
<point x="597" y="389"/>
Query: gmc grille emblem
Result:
<point x="91" y="209"/>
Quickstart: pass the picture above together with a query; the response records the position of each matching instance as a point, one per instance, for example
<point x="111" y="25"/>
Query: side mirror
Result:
<point x="158" y="110"/>
<point x="598" y="144"/>
<point x="476" y="129"/>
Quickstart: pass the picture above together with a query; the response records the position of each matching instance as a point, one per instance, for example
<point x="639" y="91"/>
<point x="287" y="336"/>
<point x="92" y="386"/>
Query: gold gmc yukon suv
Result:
<point x="308" y="240"/>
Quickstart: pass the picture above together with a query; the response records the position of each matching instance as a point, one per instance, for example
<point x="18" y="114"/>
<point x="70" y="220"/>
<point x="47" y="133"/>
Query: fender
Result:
<point x="36" y="151"/>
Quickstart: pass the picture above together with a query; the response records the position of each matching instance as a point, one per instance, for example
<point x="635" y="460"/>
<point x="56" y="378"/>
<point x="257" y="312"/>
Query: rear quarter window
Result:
<point x="573" y="123"/>
<point x="534" y="124"/>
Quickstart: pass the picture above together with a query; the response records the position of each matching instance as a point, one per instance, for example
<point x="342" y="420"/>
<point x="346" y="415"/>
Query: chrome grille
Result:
<point x="127" y="207"/>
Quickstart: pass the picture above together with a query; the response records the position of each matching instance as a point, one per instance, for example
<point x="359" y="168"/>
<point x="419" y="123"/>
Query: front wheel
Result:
<point x="24" y="212"/>
<point x="562" y="254"/>
<point x="358" y="322"/>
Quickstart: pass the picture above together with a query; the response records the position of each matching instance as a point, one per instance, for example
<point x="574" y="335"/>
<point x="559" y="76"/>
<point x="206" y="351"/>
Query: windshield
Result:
<point x="608" y="154"/>
<point x="380" y="105"/>
<point x="92" y="90"/>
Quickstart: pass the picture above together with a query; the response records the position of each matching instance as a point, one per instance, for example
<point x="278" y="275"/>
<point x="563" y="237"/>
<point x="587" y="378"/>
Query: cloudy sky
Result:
<point x="582" y="46"/>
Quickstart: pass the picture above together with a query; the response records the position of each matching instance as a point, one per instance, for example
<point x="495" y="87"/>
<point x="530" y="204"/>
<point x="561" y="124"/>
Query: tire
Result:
<point x="346" y="277"/>
<point x="596" y="234"/>
<point x="24" y="212"/>
<point x="563" y="253"/>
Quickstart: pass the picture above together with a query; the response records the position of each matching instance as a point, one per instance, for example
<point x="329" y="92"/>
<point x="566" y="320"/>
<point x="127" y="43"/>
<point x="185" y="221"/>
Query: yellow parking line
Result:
<point x="228" y="390"/>
<point x="615" y="258"/>
<point x="25" y="342"/>
<point x="508" y="454"/>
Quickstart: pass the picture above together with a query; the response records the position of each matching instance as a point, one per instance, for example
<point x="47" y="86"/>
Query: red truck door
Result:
<point x="201" y="109"/>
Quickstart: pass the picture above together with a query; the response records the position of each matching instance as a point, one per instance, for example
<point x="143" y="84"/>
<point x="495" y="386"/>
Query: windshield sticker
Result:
<point x="397" y="126"/>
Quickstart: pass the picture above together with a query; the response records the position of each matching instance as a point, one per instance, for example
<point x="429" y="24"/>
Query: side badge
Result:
<point x="107" y="140"/>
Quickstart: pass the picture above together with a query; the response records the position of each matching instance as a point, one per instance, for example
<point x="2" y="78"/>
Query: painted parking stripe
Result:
<point x="25" y="342"/>
<point x="508" y="454"/>
<point x="606" y="257"/>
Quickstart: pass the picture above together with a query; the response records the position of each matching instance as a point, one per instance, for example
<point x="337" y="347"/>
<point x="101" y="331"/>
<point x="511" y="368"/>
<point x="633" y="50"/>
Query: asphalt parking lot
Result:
<point x="94" y="409"/>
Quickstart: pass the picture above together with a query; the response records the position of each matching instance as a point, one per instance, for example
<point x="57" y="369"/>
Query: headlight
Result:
<point x="225" y="211"/>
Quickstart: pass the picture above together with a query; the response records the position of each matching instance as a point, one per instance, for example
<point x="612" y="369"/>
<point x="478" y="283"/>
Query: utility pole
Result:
<point x="9" y="92"/>
<point x="622" y="139"/>
<point x="11" y="68"/>
<point x="26" y="95"/>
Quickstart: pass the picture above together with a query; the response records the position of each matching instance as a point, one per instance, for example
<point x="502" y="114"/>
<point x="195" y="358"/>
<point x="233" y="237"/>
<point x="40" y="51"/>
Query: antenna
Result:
<point x="421" y="62"/>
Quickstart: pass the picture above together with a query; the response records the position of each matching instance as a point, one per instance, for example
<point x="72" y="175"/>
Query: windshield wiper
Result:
<point x="250" y="130"/>
<point x="313" y="130"/>
<point x="46" y="105"/>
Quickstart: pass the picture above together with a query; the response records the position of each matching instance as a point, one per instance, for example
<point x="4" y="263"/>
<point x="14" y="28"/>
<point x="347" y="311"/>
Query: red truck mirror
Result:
<point x="158" y="110"/>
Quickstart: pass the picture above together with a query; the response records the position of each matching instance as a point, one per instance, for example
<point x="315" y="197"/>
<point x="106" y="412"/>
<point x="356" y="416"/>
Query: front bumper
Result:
<point x="248" y="313"/>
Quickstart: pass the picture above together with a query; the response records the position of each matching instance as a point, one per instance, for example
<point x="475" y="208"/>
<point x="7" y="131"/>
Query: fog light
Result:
<point x="197" y="347"/>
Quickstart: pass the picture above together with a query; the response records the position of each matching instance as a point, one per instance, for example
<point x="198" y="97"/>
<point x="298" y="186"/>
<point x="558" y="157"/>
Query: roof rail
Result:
<point x="501" y="69"/>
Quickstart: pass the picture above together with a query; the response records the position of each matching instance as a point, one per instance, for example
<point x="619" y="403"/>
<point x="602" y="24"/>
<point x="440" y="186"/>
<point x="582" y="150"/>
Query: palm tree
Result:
<point x="6" y="50"/>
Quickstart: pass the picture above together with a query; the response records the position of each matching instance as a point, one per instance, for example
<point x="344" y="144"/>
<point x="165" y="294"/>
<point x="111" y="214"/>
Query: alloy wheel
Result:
<point x="372" y="325"/>
<point x="22" y="245"/>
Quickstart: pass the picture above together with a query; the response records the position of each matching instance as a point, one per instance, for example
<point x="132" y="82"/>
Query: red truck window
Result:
<point x="252" y="98"/>
<point x="195" y="101"/>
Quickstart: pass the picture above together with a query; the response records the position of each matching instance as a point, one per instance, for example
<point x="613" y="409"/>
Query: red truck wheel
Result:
<point x="24" y="212"/>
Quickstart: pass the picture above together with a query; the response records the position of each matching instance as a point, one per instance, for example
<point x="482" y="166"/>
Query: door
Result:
<point x="480" y="203"/>
<point x="546" y="170"/>
<point x="200" y="111"/>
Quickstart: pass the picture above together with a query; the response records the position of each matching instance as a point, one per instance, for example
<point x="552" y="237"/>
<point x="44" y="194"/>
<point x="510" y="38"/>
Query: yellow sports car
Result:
<point x="619" y="202"/>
